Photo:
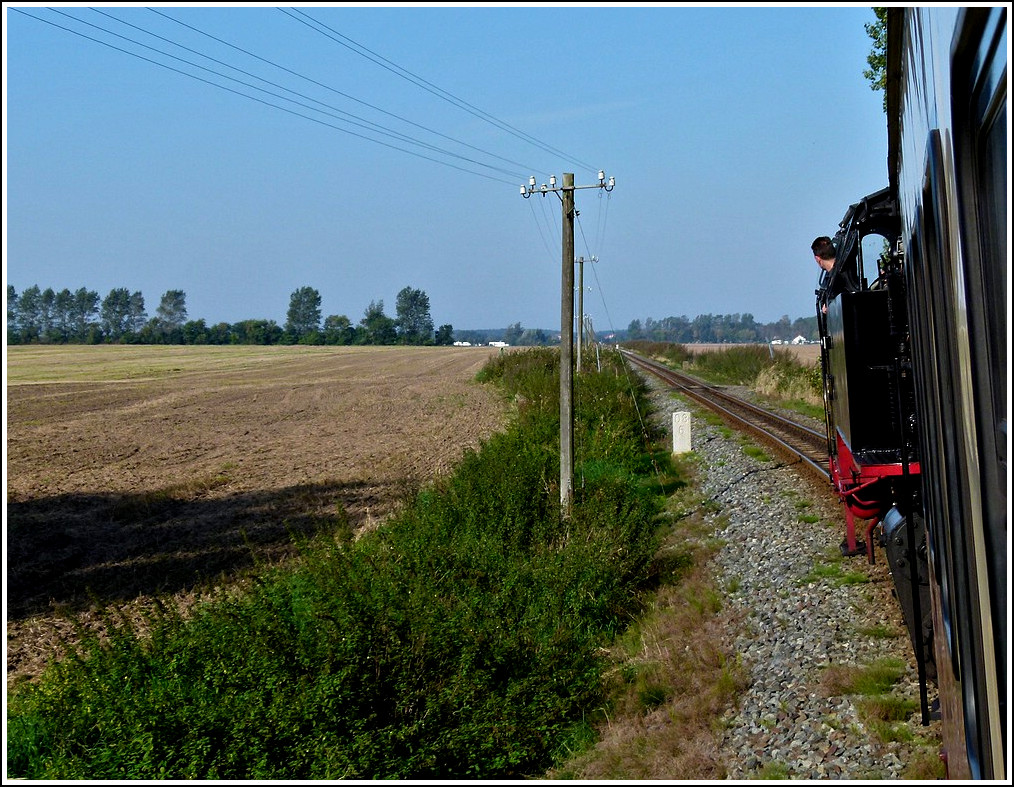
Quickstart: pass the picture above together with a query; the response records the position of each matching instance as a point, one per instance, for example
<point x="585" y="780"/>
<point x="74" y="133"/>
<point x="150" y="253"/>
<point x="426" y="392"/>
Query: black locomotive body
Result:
<point x="913" y="321"/>
<point x="869" y="402"/>
<point x="866" y="364"/>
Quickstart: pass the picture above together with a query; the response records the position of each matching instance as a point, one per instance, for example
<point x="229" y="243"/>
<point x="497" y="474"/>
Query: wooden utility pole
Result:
<point x="566" y="194"/>
<point x="567" y="349"/>
<point x="580" y="311"/>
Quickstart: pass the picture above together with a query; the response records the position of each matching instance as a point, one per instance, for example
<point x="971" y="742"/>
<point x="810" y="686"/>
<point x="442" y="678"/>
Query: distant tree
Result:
<point x="171" y="314"/>
<point x="720" y="327"/>
<point x="122" y="314"/>
<point x="115" y="313"/>
<point x="13" y="324"/>
<point x="674" y="329"/>
<point x="220" y="333"/>
<point x="783" y="328"/>
<point x="805" y="327"/>
<point x="338" y="329"/>
<point x="84" y="310"/>
<point x="59" y="316"/>
<point x="30" y="314"/>
<point x="303" y="316"/>
<point x="138" y="316"/>
<point x="701" y="328"/>
<point x="746" y="329"/>
<point x="532" y="337"/>
<point x="512" y="334"/>
<point x="635" y="330"/>
<point x="877" y="59"/>
<point x="413" y="322"/>
<point x="194" y="332"/>
<point x="47" y="313"/>
<point x="376" y="327"/>
<point x="150" y="333"/>
<point x="444" y="336"/>
<point x="255" y="332"/>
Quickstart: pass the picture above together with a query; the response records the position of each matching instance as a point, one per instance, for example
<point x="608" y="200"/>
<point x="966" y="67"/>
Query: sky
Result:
<point x="242" y="152"/>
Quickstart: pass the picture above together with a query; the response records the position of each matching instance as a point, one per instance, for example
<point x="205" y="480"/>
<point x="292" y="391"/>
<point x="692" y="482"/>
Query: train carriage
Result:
<point x="948" y="145"/>
<point x="915" y="365"/>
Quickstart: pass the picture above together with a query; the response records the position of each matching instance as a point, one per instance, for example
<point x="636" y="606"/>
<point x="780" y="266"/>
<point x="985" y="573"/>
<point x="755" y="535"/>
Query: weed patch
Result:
<point x="755" y="452"/>
<point x="831" y="570"/>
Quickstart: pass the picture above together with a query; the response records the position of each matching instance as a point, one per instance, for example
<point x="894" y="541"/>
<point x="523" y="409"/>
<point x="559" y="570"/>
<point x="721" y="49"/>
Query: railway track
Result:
<point x="792" y="440"/>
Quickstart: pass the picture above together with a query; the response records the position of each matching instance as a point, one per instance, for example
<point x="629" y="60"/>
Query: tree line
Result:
<point x="81" y="317"/>
<point x="720" y="329"/>
<point x="37" y="316"/>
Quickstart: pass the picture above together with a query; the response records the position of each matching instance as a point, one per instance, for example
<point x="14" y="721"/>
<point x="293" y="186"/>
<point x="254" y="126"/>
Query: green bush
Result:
<point x="460" y="640"/>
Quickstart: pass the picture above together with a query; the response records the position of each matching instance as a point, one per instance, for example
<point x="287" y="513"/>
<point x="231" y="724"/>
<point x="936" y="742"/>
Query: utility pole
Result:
<point x="580" y="308"/>
<point x="566" y="195"/>
<point x="567" y="350"/>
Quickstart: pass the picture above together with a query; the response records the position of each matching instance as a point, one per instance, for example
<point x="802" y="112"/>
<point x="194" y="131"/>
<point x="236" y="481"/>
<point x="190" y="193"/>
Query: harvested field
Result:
<point x="136" y="472"/>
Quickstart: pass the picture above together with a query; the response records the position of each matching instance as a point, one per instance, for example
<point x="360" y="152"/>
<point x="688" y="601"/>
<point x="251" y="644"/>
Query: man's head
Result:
<point x="823" y="252"/>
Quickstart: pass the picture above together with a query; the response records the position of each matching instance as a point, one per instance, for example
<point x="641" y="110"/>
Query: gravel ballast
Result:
<point x="790" y="623"/>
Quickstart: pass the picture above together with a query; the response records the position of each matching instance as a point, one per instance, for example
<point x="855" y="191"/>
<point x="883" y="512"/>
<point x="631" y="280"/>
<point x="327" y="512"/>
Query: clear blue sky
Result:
<point x="736" y="134"/>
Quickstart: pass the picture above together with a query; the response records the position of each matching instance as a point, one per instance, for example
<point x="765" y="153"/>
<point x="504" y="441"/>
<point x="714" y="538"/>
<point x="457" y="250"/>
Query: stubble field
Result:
<point x="136" y="472"/>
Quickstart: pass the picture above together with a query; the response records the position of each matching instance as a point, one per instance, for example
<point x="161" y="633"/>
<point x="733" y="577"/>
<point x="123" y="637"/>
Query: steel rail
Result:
<point x="789" y="437"/>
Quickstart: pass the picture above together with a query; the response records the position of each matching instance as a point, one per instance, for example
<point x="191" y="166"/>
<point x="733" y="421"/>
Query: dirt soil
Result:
<point x="135" y="473"/>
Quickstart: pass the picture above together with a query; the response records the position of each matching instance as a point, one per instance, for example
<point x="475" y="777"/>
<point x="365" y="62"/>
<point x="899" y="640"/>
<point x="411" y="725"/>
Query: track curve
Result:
<point x="793" y="440"/>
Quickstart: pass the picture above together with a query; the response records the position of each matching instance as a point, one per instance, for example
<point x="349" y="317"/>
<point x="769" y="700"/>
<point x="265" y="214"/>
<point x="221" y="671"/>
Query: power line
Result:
<point x="338" y="92"/>
<point x="598" y="284"/>
<point x="602" y="218"/>
<point x="394" y="68"/>
<point x="366" y="124"/>
<point x="254" y="98"/>
<point x="538" y="226"/>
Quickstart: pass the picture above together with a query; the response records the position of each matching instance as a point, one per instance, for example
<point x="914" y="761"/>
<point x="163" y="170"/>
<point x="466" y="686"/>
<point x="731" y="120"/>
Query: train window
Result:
<point x="875" y="250"/>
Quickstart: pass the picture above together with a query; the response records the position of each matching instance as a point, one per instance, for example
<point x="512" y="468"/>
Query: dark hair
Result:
<point x="823" y="248"/>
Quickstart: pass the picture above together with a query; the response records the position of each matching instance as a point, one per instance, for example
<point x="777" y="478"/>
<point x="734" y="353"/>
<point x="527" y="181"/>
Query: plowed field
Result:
<point x="135" y="472"/>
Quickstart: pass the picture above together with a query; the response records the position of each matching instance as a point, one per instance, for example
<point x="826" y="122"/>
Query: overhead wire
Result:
<point x="595" y="274"/>
<point x="338" y="92"/>
<point x="538" y="226"/>
<point x="383" y="62"/>
<point x="404" y="73"/>
<point x="376" y="129"/>
<point x="602" y="217"/>
<point x="549" y="222"/>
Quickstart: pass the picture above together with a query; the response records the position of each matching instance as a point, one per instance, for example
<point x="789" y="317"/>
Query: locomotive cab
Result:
<point x="869" y="403"/>
<point x="865" y="363"/>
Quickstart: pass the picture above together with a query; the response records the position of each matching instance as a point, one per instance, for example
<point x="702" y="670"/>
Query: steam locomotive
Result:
<point x="913" y="326"/>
